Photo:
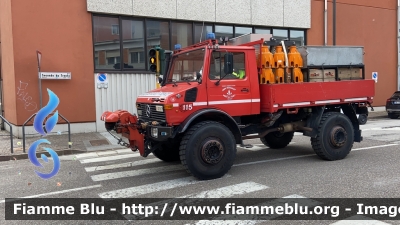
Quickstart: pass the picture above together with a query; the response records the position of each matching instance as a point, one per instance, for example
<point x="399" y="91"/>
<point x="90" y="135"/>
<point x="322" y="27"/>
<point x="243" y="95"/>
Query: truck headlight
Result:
<point x="154" y="132"/>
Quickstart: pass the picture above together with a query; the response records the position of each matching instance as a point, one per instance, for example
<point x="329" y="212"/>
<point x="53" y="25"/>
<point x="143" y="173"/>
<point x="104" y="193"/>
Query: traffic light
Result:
<point x="153" y="59"/>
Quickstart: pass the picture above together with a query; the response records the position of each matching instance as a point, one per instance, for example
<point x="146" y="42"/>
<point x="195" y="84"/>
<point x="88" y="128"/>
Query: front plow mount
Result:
<point x="128" y="125"/>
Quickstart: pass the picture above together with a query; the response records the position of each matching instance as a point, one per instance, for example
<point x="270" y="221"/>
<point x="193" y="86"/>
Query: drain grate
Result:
<point x="99" y="142"/>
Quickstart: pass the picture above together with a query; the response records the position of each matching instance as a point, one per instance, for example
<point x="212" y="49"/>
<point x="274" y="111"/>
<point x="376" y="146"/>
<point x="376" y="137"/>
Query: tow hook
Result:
<point x="149" y="148"/>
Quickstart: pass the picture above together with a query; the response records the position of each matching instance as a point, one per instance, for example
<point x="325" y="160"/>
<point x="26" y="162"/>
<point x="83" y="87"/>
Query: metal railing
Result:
<point x="11" y="133"/>
<point x="23" y="129"/>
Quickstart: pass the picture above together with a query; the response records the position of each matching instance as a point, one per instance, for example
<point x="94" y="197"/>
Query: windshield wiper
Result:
<point x="174" y="82"/>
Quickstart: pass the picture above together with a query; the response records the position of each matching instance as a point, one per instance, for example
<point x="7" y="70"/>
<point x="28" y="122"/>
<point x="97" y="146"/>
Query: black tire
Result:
<point x="168" y="152"/>
<point x="335" y="137"/>
<point x="393" y="115"/>
<point x="362" y="119"/>
<point x="208" y="150"/>
<point x="276" y="140"/>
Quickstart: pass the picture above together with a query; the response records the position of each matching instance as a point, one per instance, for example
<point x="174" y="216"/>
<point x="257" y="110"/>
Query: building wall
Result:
<point x="371" y="24"/>
<point x="62" y="32"/>
<point x="279" y="13"/>
<point x="7" y="60"/>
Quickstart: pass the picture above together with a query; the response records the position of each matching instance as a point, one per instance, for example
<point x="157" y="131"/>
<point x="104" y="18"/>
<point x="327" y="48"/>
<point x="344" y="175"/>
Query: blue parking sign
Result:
<point x="375" y="76"/>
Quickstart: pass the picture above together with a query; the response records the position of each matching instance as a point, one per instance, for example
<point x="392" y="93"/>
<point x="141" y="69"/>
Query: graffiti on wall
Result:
<point x="24" y="96"/>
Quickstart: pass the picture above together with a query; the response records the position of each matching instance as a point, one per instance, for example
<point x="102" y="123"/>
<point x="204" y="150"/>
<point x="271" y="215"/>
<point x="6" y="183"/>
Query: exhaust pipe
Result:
<point x="284" y="128"/>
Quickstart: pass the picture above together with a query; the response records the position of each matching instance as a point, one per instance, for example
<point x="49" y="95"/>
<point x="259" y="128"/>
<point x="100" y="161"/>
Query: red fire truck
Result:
<point x="215" y="95"/>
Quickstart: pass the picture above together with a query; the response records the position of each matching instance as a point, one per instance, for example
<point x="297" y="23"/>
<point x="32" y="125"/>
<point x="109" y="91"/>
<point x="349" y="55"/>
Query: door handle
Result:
<point x="245" y="90"/>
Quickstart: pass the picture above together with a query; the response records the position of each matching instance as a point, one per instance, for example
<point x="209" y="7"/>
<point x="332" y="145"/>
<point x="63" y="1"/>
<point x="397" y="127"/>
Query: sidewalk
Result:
<point x="83" y="142"/>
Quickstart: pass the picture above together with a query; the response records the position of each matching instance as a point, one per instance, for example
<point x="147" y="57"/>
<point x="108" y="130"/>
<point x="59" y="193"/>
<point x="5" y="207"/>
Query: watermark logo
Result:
<point x="43" y="130"/>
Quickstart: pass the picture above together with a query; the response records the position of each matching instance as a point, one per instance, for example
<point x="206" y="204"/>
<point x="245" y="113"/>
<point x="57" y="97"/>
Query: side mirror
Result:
<point x="160" y="80"/>
<point x="228" y="63"/>
<point x="198" y="77"/>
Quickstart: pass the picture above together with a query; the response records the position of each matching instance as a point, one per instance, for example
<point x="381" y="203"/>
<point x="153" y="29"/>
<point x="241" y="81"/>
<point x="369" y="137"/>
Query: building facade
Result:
<point x="90" y="37"/>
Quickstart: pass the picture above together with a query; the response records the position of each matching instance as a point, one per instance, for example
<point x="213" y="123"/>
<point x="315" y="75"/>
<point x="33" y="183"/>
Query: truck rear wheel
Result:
<point x="208" y="150"/>
<point x="168" y="152"/>
<point x="277" y="139"/>
<point x="335" y="137"/>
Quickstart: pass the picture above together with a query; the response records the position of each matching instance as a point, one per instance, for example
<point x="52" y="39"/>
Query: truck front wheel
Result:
<point x="277" y="139"/>
<point x="168" y="152"/>
<point x="335" y="137"/>
<point x="208" y="150"/>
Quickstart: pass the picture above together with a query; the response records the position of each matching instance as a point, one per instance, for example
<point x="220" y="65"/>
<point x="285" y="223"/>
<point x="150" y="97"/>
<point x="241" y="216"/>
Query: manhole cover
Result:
<point x="99" y="142"/>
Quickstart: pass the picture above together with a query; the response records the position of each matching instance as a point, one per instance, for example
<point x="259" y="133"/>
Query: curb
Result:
<point x="38" y="154"/>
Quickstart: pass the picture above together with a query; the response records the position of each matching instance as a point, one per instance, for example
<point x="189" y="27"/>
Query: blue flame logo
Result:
<point x="50" y="124"/>
<point x="44" y="112"/>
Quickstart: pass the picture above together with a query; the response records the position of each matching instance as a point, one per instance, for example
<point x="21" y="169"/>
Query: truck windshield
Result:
<point x="186" y="66"/>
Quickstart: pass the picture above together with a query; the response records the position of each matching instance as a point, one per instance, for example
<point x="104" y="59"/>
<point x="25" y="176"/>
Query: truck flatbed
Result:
<point x="292" y="95"/>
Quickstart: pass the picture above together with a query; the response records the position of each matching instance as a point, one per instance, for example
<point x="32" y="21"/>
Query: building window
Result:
<point x="280" y="34"/>
<point x="106" y="44"/>
<point x="137" y="57"/>
<point x="126" y="46"/>
<point x="133" y="44"/>
<point x="200" y="32"/>
<point x="157" y="34"/>
<point x="181" y="33"/>
<point x="242" y="31"/>
<point x="223" y="31"/>
<point x="115" y="29"/>
<point x="262" y="31"/>
<point x="113" y="60"/>
<point x="297" y="36"/>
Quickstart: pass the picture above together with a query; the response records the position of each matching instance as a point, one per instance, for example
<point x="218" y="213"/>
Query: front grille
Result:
<point x="154" y="114"/>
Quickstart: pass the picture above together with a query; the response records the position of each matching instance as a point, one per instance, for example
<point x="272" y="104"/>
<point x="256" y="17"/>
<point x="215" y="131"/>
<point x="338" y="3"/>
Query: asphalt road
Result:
<point x="371" y="170"/>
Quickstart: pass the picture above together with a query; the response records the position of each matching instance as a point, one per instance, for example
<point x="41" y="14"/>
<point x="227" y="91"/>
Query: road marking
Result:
<point x="122" y="165"/>
<point x="106" y="153"/>
<point x="110" y="176"/>
<point x="109" y="158"/>
<point x="228" y="191"/>
<point x="101" y="153"/>
<point x="125" y="151"/>
<point x="56" y="192"/>
<point x="382" y="129"/>
<point x="359" y="220"/>
<point x="302" y="156"/>
<point x="85" y="155"/>
<point x="149" y="188"/>
<point x="223" y="192"/>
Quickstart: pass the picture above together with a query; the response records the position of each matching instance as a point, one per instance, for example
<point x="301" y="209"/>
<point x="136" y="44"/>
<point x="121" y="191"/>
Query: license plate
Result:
<point x="159" y="108"/>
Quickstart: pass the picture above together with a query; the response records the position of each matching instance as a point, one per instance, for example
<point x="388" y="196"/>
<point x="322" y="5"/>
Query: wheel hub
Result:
<point x="212" y="152"/>
<point x="338" y="136"/>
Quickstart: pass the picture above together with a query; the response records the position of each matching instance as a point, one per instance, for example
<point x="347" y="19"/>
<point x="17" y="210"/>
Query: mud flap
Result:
<point x="349" y="111"/>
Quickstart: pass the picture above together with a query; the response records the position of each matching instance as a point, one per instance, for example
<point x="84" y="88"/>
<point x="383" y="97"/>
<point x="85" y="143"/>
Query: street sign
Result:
<point x="102" y="80"/>
<point x="55" y="75"/>
<point x="375" y="76"/>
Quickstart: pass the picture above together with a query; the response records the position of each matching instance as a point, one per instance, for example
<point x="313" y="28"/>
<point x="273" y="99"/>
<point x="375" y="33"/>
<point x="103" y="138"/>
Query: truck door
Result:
<point x="232" y="94"/>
